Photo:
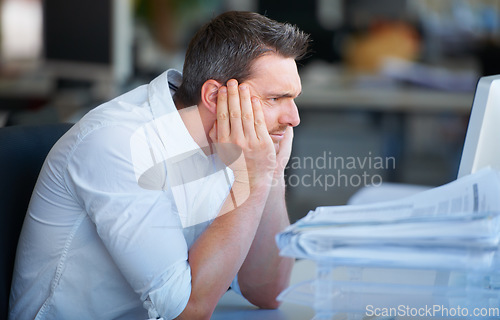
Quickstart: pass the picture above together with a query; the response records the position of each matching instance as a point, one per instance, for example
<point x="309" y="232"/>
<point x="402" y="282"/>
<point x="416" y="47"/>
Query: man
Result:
<point x="159" y="200"/>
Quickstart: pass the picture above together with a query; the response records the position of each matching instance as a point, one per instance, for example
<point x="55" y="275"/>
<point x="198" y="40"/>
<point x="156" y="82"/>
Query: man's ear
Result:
<point x="209" y="91"/>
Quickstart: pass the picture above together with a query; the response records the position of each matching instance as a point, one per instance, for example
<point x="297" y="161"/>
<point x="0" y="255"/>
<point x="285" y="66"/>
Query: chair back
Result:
<point x="23" y="150"/>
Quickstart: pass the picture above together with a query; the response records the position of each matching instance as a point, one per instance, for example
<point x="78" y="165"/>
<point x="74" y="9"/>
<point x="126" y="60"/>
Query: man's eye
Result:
<point x="274" y="99"/>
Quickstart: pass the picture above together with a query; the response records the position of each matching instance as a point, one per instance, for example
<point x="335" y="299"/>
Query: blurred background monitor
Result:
<point x="88" y="40"/>
<point x="483" y="132"/>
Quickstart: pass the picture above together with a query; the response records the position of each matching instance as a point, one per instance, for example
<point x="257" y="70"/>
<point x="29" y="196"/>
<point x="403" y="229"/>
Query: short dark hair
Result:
<point x="226" y="47"/>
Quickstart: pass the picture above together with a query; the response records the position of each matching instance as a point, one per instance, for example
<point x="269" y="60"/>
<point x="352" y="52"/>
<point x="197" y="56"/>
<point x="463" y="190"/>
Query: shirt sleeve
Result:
<point x="139" y="227"/>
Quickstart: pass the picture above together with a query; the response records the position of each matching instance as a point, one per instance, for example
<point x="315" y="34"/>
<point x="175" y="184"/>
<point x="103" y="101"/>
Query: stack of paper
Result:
<point x="455" y="226"/>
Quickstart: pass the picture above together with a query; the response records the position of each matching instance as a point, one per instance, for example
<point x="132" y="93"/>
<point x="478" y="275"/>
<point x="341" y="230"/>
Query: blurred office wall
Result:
<point x="358" y="45"/>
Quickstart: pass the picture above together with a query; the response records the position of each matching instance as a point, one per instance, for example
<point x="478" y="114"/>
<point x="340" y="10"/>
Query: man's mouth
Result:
<point x="277" y="136"/>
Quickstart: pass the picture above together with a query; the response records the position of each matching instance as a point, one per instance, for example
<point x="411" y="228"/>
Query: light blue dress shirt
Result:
<point x="119" y="201"/>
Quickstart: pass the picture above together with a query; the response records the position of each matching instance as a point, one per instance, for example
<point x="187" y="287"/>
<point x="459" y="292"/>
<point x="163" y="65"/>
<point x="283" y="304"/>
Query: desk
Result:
<point x="332" y="87"/>
<point x="22" y="91"/>
<point x="410" y="100"/>
<point x="233" y="306"/>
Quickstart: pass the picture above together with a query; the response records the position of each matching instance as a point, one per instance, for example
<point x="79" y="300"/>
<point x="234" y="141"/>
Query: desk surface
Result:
<point x="233" y="306"/>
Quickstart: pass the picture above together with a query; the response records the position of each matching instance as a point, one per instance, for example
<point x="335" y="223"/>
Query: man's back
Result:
<point x="97" y="243"/>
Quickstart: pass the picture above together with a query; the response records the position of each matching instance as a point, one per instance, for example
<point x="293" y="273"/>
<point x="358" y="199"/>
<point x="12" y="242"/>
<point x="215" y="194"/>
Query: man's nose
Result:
<point x="290" y="115"/>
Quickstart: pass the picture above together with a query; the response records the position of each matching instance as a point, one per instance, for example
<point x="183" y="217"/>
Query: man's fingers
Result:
<point x="247" y="113"/>
<point x="233" y="98"/>
<point x="239" y="116"/>
<point x="260" y="122"/>
<point x="223" y="127"/>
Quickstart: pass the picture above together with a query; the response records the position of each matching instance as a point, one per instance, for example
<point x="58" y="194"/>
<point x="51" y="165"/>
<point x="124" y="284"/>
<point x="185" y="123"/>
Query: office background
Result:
<point x="387" y="88"/>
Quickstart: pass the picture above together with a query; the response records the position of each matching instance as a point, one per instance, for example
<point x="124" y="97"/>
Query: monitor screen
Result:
<point x="88" y="39"/>
<point x="483" y="133"/>
<point x="77" y="31"/>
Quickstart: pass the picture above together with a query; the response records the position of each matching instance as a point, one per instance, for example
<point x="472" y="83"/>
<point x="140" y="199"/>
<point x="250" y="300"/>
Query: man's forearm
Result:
<point x="264" y="274"/>
<point x="219" y="252"/>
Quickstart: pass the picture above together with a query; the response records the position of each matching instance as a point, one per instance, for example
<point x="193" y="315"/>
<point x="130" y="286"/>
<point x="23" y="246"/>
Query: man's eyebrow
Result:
<point x="283" y="95"/>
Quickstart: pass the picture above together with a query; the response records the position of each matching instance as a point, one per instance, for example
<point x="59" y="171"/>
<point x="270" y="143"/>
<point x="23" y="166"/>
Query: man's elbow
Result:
<point x="196" y="311"/>
<point x="269" y="304"/>
<point x="265" y="298"/>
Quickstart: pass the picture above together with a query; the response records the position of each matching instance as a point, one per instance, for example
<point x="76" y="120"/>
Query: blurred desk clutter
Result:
<point x="349" y="114"/>
<point x="330" y="86"/>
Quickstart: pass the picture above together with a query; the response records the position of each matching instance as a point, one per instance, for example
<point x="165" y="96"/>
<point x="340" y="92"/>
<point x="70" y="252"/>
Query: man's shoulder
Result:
<point x="127" y="110"/>
<point x="135" y="96"/>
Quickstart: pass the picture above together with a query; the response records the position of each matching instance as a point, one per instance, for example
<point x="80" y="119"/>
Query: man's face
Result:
<point x="275" y="80"/>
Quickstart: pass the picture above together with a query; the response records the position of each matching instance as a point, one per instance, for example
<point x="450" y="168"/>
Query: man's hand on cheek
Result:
<point x="241" y="138"/>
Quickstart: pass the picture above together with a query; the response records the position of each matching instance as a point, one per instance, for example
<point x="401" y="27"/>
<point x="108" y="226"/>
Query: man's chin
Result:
<point x="276" y="147"/>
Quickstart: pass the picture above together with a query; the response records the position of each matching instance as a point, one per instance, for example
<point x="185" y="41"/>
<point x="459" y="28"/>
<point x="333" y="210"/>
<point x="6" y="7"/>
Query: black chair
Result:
<point x="22" y="152"/>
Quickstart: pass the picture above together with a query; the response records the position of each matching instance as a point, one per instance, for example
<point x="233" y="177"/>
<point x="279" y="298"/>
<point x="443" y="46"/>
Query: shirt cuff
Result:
<point x="170" y="300"/>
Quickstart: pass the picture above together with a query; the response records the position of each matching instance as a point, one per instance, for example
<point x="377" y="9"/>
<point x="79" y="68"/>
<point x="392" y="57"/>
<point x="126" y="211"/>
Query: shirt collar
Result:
<point x="175" y="136"/>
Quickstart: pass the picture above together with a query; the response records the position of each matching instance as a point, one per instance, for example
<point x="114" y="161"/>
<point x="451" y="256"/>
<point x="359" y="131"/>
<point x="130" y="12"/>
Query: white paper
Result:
<point x="444" y="226"/>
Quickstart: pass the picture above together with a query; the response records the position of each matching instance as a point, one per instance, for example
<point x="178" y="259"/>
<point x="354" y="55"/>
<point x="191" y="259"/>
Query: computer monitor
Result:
<point x="481" y="147"/>
<point x="88" y="40"/>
